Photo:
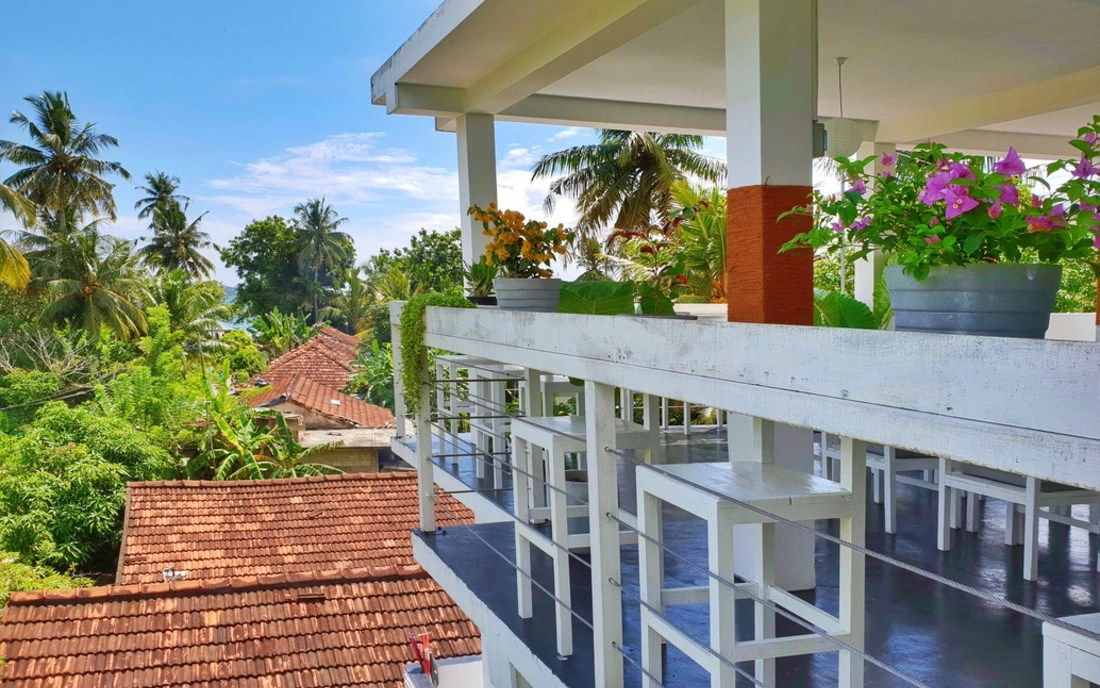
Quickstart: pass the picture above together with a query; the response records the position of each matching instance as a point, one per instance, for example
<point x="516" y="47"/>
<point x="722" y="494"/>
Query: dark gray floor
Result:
<point x="942" y="637"/>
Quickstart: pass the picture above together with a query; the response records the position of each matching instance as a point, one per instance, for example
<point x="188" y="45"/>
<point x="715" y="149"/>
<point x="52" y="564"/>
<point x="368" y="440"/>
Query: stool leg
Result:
<point x="651" y="575"/>
<point x="650" y="419"/>
<point x="764" y="620"/>
<point x="559" y="528"/>
<point x="971" y="512"/>
<point x="890" y="488"/>
<point x="876" y="485"/>
<point x="687" y="418"/>
<point x="943" y="530"/>
<point x="1012" y="526"/>
<point x="1031" y="530"/>
<point x="523" y="547"/>
<point x="1057" y="666"/>
<point x="664" y="412"/>
<point x="722" y="596"/>
<point x="956" y="509"/>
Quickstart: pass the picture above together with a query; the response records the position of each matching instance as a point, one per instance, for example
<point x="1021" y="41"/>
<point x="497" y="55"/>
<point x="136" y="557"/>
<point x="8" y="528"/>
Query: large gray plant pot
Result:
<point x="988" y="299"/>
<point x="535" y="294"/>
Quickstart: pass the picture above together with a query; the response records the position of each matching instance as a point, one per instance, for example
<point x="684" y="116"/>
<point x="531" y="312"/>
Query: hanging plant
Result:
<point x="412" y="341"/>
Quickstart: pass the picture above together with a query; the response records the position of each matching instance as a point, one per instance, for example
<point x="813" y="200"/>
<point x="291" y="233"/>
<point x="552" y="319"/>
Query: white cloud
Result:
<point x="568" y="133"/>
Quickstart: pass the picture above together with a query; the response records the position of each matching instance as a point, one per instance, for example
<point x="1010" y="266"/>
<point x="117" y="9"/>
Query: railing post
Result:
<point x="853" y="477"/>
<point x="603" y="499"/>
<point x="425" y="469"/>
<point x="398" y="387"/>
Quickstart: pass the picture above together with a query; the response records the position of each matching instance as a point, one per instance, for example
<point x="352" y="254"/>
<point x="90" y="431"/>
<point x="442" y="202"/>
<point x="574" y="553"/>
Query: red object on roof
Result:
<point x="257" y="527"/>
<point x="336" y="406"/>
<point x="335" y="628"/>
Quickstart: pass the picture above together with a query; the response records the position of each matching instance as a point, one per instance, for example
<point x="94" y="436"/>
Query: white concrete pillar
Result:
<point x="869" y="269"/>
<point x="477" y="177"/>
<point x="753" y="439"/>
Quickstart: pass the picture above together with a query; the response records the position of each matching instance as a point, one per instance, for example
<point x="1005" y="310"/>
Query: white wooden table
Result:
<point x="1071" y="660"/>
<point x="557" y="436"/>
<point x="791" y="494"/>
<point x="448" y="399"/>
<point x="552" y="387"/>
<point x="489" y="423"/>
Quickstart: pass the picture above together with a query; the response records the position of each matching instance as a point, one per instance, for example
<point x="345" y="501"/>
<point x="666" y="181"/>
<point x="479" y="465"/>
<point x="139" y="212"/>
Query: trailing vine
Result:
<point x="412" y="341"/>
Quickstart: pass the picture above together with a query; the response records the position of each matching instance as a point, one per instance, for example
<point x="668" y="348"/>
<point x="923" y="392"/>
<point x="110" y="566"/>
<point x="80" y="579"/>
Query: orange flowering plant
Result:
<point x="519" y="247"/>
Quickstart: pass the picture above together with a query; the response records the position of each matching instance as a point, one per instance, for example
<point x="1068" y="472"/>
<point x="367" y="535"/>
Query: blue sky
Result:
<point x="257" y="106"/>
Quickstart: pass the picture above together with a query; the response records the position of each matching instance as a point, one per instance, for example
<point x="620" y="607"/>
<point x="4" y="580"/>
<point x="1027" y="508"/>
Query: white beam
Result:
<point x="1059" y="93"/>
<point x="594" y="30"/>
<point x="617" y="114"/>
<point x="988" y="142"/>
<point x="477" y="177"/>
<point x="769" y="92"/>
<point x="419" y="99"/>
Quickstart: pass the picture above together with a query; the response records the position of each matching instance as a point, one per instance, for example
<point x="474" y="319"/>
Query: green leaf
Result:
<point x="833" y="309"/>
<point x="1082" y="146"/>
<point x="597" y="298"/>
<point x="972" y="243"/>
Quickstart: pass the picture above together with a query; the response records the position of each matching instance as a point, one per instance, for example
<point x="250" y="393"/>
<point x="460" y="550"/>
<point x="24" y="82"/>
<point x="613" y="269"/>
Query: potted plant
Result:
<point x="971" y="250"/>
<point x="479" y="282"/>
<point x="653" y="259"/>
<point x="522" y="251"/>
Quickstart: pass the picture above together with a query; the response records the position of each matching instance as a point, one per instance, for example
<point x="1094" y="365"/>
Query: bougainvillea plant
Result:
<point x="654" y="259"/>
<point x="936" y="208"/>
<point x="518" y="247"/>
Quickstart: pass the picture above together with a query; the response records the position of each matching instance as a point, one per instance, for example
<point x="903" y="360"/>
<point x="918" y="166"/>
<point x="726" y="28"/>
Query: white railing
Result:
<point x="1028" y="407"/>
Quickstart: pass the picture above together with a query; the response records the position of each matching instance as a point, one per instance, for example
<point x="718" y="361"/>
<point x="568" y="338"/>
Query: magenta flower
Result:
<point x="889" y="160"/>
<point x="1085" y="168"/>
<point x="958" y="201"/>
<point x="934" y="188"/>
<point x="934" y="239"/>
<point x="860" y="186"/>
<point x="1090" y="138"/>
<point x="1096" y="240"/>
<point x="994" y="210"/>
<point x="1011" y="165"/>
<point x="959" y="170"/>
<point x="1055" y="219"/>
<point x="861" y="224"/>
<point x="838" y="226"/>
<point x="934" y="222"/>
<point x="1009" y="194"/>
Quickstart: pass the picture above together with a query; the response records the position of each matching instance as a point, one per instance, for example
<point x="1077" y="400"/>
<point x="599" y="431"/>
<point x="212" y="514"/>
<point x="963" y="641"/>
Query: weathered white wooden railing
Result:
<point x="1029" y="407"/>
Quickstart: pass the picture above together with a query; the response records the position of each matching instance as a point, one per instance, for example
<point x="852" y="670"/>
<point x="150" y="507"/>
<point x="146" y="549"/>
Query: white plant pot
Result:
<point x="523" y="294"/>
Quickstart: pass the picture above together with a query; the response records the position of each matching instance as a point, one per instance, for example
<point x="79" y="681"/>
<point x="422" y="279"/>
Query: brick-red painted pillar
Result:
<point x="764" y="286"/>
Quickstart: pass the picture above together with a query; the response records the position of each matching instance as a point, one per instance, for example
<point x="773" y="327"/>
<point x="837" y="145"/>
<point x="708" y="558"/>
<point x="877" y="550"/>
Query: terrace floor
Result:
<point x="940" y="636"/>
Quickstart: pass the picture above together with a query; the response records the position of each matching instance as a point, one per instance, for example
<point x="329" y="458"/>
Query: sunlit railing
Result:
<point x="1031" y="408"/>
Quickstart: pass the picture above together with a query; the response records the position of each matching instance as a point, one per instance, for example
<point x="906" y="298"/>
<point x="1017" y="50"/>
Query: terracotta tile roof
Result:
<point x="248" y="528"/>
<point x="337" y="406"/>
<point x="336" y="628"/>
<point x="322" y="360"/>
<point x="348" y="341"/>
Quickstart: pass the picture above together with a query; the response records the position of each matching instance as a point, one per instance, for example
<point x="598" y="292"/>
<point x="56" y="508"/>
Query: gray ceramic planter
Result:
<point x="989" y="300"/>
<point x="536" y="294"/>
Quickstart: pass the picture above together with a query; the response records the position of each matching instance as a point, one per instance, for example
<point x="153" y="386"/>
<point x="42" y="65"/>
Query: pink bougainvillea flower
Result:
<point x="1010" y="195"/>
<point x="934" y="222"/>
<point x="861" y="224"/>
<point x="959" y="171"/>
<point x="838" y="226"/>
<point x="1011" y="165"/>
<point x="889" y="160"/>
<point x="958" y="201"/>
<point x="994" y="210"/>
<point x="1055" y="219"/>
<point x="1090" y="138"/>
<point x="860" y="186"/>
<point x="934" y="239"/>
<point x="934" y="188"/>
<point x="1085" y="168"/>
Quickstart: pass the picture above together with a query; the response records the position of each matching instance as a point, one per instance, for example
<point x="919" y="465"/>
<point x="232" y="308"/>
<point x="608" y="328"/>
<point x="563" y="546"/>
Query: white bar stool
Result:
<point x="1071" y="660"/>
<point x="553" y="387"/>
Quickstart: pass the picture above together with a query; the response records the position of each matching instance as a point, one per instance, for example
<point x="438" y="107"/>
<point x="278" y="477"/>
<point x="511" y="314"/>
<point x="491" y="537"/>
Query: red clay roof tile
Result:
<point x="334" y="405"/>
<point x="347" y="628"/>
<point x="257" y="528"/>
<point x="324" y="360"/>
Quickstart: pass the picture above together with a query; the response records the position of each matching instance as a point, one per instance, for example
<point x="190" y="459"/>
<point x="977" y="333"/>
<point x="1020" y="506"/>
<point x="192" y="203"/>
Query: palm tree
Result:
<point x="320" y="246"/>
<point x="176" y="242"/>
<point x="161" y="190"/>
<point x="195" y="309"/>
<point x="352" y="303"/>
<point x="14" y="270"/>
<point x="702" y="239"/>
<point x="93" y="281"/>
<point x="61" y="168"/>
<point x="626" y="178"/>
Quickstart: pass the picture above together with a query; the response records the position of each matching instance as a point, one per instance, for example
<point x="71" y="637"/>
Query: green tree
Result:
<point x="265" y="258"/>
<point x="703" y="238"/>
<point x="63" y="485"/>
<point x="352" y="302"/>
<point x="626" y="178"/>
<point x="177" y="243"/>
<point x="242" y="355"/>
<point x="14" y="270"/>
<point x="61" y="169"/>
<point x="321" y="247"/>
<point x="280" y="332"/>
<point x="374" y="381"/>
<point x="433" y="261"/>
<point x="160" y="190"/>
<point x="197" y="310"/>
<point x="18" y="577"/>
<point x="93" y="281"/>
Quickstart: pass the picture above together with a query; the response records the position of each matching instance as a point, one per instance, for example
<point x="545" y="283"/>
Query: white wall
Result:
<point x="457" y="672"/>
<point x="1078" y="327"/>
